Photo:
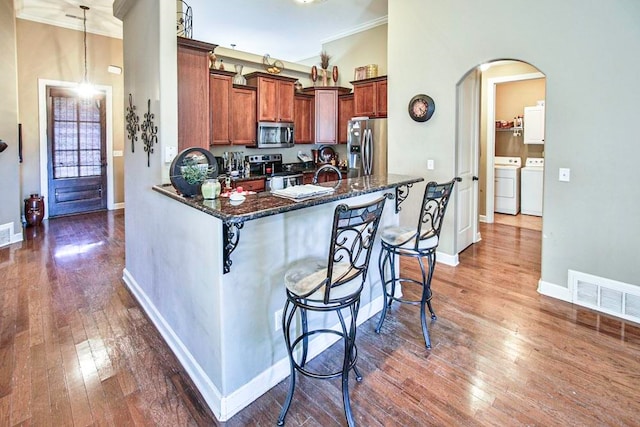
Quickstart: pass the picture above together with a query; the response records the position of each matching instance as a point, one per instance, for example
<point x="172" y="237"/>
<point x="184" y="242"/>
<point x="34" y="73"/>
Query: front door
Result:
<point x="77" y="152"/>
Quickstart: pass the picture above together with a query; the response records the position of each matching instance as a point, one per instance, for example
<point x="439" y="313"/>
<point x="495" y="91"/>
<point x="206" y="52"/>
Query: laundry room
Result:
<point x="512" y="129"/>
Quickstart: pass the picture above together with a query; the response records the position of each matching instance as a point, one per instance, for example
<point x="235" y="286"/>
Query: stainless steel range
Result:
<point x="270" y="165"/>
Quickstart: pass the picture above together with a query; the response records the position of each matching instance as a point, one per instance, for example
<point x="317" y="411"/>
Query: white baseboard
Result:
<point x="17" y="238"/>
<point x="555" y="291"/>
<point x="482" y="218"/>
<point x="447" y="259"/>
<point x="209" y="392"/>
<point x="225" y="407"/>
<point x="117" y="206"/>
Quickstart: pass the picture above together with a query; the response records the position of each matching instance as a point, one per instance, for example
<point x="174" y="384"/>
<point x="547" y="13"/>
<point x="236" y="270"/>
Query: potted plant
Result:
<point x="190" y="169"/>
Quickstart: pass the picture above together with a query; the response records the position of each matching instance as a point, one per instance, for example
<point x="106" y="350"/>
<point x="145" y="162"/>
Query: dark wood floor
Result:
<point x="75" y="348"/>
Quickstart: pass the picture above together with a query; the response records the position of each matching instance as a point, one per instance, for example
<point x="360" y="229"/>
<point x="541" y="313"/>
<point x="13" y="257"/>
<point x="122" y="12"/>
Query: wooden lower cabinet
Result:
<point x="256" y="185"/>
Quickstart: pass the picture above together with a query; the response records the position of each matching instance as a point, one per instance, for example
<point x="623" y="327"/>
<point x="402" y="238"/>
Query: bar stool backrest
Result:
<point x="434" y="205"/>
<point x="352" y="238"/>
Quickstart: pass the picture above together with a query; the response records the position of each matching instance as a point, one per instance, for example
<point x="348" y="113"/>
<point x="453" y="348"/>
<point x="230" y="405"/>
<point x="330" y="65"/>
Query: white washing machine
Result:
<point x="507" y="185"/>
<point x="532" y="179"/>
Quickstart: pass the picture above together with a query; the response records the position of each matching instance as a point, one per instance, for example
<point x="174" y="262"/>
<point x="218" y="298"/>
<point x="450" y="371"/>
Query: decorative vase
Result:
<point x="324" y="77"/>
<point x="334" y="75"/>
<point x="212" y="60"/>
<point x="211" y="189"/>
<point x="239" y="79"/>
<point x="34" y="210"/>
<point x="314" y="74"/>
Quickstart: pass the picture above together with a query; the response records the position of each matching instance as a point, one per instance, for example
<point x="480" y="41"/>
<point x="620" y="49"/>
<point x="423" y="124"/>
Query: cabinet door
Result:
<point x="364" y="96"/>
<point x="326" y="106"/>
<point x="303" y="119"/>
<point x="345" y="113"/>
<point x="268" y="100"/>
<point x="220" y="102"/>
<point x="534" y="125"/>
<point x="193" y="98"/>
<point x="285" y="101"/>
<point x="256" y="185"/>
<point x="381" y="99"/>
<point x="243" y="116"/>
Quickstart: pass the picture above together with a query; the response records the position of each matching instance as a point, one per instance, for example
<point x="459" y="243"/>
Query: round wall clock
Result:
<point x="421" y="108"/>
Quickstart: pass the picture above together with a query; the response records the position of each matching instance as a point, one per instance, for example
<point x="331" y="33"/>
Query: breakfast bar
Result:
<point x="219" y="290"/>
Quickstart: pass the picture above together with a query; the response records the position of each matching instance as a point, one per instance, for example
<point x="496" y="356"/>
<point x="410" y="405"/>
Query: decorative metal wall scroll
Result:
<point x="185" y="18"/>
<point x="149" y="131"/>
<point x="401" y="195"/>
<point x="132" y="123"/>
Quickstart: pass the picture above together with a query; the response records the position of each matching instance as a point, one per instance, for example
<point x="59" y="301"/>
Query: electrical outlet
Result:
<point x="278" y="320"/>
<point x="564" y="175"/>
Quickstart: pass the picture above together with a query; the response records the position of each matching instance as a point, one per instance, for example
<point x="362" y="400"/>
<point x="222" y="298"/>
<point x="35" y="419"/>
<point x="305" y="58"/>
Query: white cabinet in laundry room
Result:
<point x="534" y="124"/>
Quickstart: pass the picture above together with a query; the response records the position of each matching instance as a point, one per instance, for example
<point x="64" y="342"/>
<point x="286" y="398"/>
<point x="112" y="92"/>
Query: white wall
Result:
<point x="9" y="166"/>
<point x="586" y="51"/>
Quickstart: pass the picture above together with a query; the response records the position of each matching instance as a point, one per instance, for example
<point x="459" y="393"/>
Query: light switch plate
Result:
<point x="170" y="153"/>
<point x="431" y="164"/>
<point x="117" y="153"/>
<point x="564" y="175"/>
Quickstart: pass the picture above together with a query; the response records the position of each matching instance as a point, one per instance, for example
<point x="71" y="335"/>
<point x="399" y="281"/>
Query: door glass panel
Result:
<point x="77" y="137"/>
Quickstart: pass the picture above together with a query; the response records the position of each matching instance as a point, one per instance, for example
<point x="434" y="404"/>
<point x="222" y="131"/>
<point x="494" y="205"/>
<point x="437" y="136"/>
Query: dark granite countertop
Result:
<point x="265" y="204"/>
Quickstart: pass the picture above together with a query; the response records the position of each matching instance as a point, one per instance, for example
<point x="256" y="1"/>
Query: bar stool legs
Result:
<point x="348" y="334"/>
<point x="418" y="243"/>
<point x="388" y="258"/>
<point x="330" y="285"/>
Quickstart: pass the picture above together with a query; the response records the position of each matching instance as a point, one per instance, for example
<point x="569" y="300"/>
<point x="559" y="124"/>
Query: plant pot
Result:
<point x="175" y="175"/>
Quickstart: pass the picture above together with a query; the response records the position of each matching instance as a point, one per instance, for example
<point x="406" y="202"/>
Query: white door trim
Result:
<point x="44" y="152"/>
<point x="491" y="132"/>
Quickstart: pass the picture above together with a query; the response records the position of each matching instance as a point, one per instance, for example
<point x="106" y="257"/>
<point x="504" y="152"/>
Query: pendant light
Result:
<point x="85" y="89"/>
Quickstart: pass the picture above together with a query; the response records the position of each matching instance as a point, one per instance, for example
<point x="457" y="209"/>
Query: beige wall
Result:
<point x="586" y="63"/>
<point x="363" y="48"/>
<point x="55" y="53"/>
<point x="9" y="166"/>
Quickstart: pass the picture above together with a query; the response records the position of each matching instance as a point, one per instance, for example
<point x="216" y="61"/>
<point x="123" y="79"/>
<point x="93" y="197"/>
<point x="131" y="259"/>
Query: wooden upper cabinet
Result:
<point x="370" y="97"/>
<point x="274" y="96"/>
<point x="220" y="85"/>
<point x="303" y="116"/>
<point x="243" y="116"/>
<point x="193" y="93"/>
<point x="345" y="113"/>
<point x="326" y="113"/>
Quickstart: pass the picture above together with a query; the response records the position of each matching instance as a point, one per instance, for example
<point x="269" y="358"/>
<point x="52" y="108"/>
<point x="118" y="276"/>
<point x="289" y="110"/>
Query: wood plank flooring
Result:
<point x="76" y="349"/>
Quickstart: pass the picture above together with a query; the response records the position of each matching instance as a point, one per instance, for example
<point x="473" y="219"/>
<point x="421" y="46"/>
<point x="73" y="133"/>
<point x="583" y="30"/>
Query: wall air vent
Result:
<point x="605" y="295"/>
<point x="5" y="234"/>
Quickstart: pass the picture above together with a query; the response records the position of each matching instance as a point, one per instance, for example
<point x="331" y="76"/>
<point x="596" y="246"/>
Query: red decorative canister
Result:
<point x="34" y="210"/>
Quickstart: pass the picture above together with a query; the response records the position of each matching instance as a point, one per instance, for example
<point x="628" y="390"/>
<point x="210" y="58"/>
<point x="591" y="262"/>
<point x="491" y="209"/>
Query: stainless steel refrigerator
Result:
<point x="367" y="146"/>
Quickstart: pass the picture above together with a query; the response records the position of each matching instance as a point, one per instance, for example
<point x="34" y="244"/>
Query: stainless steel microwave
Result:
<point x="274" y="135"/>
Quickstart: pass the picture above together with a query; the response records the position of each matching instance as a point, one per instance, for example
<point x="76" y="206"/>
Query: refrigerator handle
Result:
<point x="367" y="154"/>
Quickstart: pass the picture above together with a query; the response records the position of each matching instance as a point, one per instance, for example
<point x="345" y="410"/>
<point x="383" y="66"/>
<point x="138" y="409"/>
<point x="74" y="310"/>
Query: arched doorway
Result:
<point x="476" y="137"/>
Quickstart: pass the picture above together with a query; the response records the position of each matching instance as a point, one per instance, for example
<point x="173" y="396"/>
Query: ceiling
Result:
<point x="284" y="29"/>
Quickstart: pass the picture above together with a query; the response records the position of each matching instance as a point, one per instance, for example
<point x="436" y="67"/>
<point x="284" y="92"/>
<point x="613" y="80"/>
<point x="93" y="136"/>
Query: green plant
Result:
<point x="194" y="172"/>
<point x="324" y="60"/>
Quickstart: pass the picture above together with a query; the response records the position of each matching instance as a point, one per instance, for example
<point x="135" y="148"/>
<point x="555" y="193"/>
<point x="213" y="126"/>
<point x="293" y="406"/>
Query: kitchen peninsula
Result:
<point x="224" y="327"/>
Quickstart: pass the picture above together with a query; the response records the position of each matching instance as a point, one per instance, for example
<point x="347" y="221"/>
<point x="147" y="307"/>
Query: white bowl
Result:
<point x="235" y="197"/>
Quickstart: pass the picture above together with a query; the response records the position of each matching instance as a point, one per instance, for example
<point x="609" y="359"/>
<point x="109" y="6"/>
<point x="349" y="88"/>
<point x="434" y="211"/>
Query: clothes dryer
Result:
<point x="507" y="185"/>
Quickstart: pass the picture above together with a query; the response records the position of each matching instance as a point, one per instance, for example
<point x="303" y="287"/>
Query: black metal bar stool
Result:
<point x="416" y="242"/>
<point x="331" y="285"/>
